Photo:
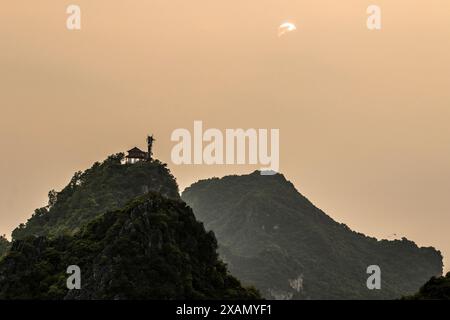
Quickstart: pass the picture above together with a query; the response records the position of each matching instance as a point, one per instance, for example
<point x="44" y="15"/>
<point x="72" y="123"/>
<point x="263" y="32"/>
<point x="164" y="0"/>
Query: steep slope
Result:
<point x="152" y="249"/>
<point x="104" y="187"/>
<point x="274" y="238"/>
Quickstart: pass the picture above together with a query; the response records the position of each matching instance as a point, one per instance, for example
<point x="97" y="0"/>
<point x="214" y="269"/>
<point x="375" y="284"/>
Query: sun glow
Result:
<point x="285" y="28"/>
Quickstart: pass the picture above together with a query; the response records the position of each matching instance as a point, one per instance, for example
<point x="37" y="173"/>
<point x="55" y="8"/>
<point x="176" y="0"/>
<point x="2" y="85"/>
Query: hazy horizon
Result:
<point x="363" y="115"/>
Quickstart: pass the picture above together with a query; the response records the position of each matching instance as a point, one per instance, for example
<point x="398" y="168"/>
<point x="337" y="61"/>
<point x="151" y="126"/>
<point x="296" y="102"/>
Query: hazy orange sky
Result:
<point x="363" y="115"/>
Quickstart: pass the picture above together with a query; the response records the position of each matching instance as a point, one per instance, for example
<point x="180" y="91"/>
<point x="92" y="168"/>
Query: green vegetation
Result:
<point x="104" y="187"/>
<point x="125" y="226"/>
<point x="151" y="249"/>
<point x="275" y="239"/>
<point x="127" y="229"/>
<point x="437" y="288"/>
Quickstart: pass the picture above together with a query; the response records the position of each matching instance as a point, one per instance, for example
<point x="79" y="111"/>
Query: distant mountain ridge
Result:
<point x="274" y="238"/>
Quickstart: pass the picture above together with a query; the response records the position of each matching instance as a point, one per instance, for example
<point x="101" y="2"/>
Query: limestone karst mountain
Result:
<point x="104" y="187"/>
<point x="124" y="225"/>
<point x="274" y="238"/>
<point x="151" y="249"/>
